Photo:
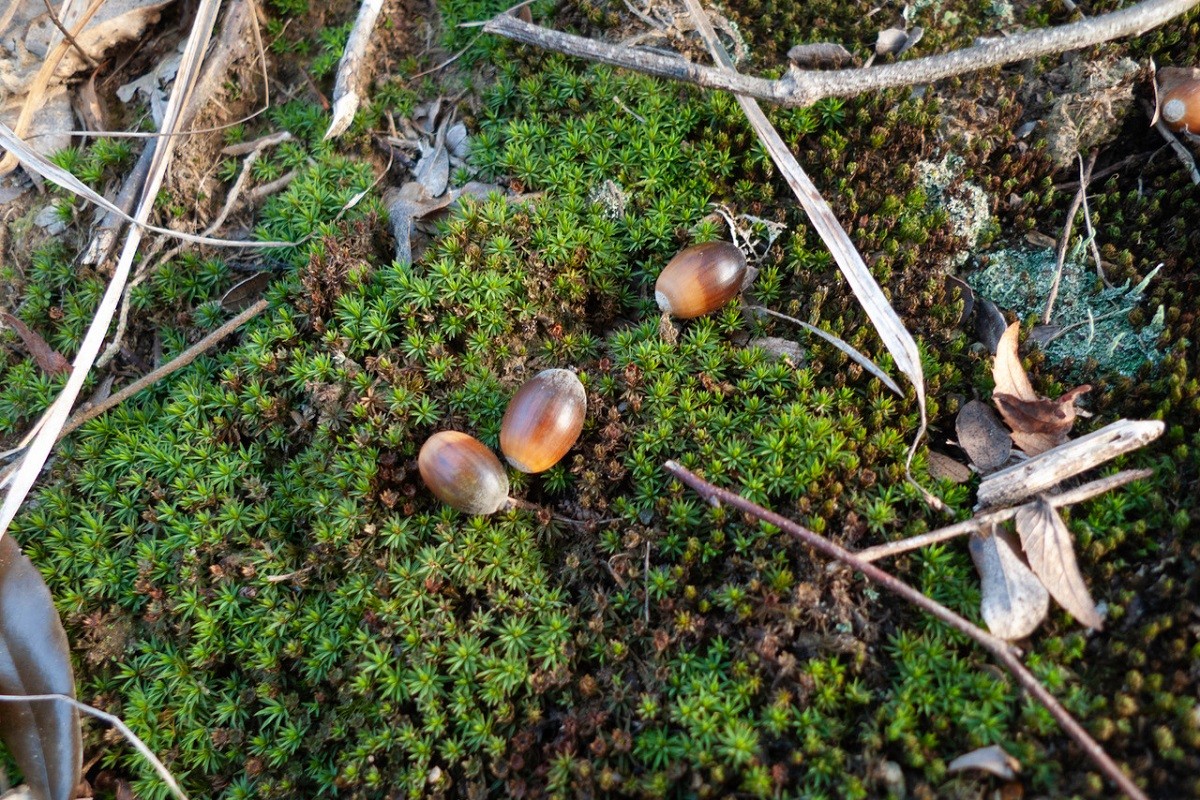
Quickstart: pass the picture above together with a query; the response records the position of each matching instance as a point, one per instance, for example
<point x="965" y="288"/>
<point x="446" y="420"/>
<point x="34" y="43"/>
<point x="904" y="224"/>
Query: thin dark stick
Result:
<point x="177" y="363"/>
<point x="1060" y="257"/>
<point x="87" y="59"/>
<point x="1076" y="495"/>
<point x="1001" y="650"/>
<point x="805" y="87"/>
<point x="1128" y="161"/>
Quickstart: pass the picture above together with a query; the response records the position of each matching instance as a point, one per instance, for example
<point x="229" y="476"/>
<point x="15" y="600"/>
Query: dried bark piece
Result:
<point x="820" y="55"/>
<point x="49" y="359"/>
<point x="1014" y="484"/>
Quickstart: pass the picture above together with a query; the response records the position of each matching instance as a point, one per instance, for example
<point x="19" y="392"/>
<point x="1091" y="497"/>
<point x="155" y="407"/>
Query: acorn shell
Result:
<point x="700" y="279"/>
<point x="463" y="473"/>
<point x="1181" y="107"/>
<point x="543" y="420"/>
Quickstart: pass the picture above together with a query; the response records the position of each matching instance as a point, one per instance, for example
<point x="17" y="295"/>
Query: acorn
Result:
<point x="700" y="279"/>
<point x="1181" y="106"/>
<point x="463" y="473"/>
<point x="543" y="420"/>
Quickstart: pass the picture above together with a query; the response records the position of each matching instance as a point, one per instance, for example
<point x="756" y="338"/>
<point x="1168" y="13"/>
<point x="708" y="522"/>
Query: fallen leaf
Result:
<point x="433" y="170"/>
<point x="982" y="437"/>
<point x="43" y="737"/>
<point x="1038" y="424"/>
<point x="1042" y="335"/>
<point x="941" y="466"/>
<point x="1048" y="546"/>
<point x="991" y="759"/>
<point x="1041" y="424"/>
<point x="49" y="359"/>
<point x="1014" y="602"/>
<point x="1007" y="371"/>
<point x="243" y="293"/>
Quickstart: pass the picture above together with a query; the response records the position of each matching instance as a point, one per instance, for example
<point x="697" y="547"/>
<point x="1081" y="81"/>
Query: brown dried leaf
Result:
<point x="1041" y="424"/>
<point x="982" y="437"/>
<point x="1014" y="602"/>
<point x="1007" y="371"/>
<point x="1051" y="554"/>
<point x="49" y="359"/>
<point x="991" y="759"/>
<point x="245" y="292"/>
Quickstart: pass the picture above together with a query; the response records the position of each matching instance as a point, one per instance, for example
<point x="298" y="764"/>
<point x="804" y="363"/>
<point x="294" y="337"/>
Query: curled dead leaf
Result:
<point x="1007" y="370"/>
<point x="1042" y="424"/>
<point x="1051" y="553"/>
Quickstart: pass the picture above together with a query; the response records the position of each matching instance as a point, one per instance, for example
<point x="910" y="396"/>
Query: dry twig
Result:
<point x="1047" y="470"/>
<point x="805" y="87"/>
<point x="998" y="648"/>
<point x="174" y="365"/>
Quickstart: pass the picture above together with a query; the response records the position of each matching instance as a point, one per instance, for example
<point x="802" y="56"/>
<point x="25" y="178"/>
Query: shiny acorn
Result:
<point x="1181" y="106"/>
<point x="543" y="420"/>
<point x="700" y="279"/>
<point x="463" y="473"/>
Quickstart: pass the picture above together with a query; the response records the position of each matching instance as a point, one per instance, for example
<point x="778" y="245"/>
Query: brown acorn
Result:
<point x="1181" y="106"/>
<point x="463" y="473"/>
<point x="543" y="420"/>
<point x="700" y="279"/>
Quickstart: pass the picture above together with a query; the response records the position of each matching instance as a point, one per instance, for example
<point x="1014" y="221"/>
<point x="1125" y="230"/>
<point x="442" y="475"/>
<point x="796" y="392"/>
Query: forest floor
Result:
<point x="253" y="576"/>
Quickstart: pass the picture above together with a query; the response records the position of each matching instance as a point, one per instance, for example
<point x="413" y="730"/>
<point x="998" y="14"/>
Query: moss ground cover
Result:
<point x="256" y="580"/>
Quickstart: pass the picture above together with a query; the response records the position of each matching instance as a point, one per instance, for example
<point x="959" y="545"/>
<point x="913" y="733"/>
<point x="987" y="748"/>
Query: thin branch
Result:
<point x="1077" y="495"/>
<point x="805" y="87"/>
<point x="116" y="722"/>
<point x="1060" y="257"/>
<point x="87" y="59"/>
<point x="1001" y="650"/>
<point x="174" y="365"/>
